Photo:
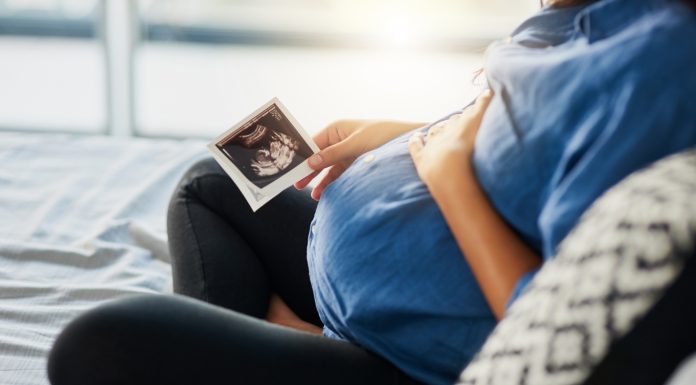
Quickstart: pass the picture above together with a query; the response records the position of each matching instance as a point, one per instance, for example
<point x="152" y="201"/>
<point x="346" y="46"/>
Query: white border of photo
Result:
<point x="255" y="196"/>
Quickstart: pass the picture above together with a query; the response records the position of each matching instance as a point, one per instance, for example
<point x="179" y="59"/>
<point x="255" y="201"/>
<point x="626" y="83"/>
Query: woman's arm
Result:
<point x="344" y="140"/>
<point x="496" y="255"/>
<point x="341" y="142"/>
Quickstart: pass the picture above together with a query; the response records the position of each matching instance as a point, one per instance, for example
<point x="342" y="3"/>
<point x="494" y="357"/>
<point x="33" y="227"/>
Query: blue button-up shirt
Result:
<point x="587" y="95"/>
<point x="583" y="97"/>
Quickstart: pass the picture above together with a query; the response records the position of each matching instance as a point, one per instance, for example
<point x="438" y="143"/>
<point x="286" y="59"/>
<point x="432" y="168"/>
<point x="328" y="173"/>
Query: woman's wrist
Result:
<point x="443" y="158"/>
<point x="495" y="253"/>
<point x="455" y="166"/>
<point x="452" y="188"/>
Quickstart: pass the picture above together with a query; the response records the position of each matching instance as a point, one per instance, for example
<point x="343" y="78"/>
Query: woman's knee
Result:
<point x="101" y="345"/>
<point x="205" y="182"/>
<point x="190" y="181"/>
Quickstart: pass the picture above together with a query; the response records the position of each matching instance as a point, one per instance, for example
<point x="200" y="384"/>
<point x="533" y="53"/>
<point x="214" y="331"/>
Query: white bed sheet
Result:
<point x="82" y="221"/>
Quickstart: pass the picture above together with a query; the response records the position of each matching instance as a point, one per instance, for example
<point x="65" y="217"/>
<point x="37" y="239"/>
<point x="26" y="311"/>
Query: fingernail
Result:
<point x="315" y="160"/>
<point x="488" y="92"/>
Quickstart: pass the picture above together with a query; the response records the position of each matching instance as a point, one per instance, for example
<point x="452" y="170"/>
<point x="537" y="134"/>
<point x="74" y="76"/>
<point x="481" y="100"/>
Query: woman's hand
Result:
<point x="448" y="145"/>
<point x="496" y="254"/>
<point x="343" y="141"/>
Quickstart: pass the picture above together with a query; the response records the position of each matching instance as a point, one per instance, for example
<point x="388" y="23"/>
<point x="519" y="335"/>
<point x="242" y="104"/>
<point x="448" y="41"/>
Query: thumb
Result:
<point x="483" y="101"/>
<point x="333" y="154"/>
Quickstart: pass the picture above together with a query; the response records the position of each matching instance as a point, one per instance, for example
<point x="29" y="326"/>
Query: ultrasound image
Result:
<point x="267" y="149"/>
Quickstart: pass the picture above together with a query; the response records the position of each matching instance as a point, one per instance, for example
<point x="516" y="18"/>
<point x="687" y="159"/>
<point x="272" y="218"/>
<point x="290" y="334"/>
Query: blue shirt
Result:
<point x="583" y="97"/>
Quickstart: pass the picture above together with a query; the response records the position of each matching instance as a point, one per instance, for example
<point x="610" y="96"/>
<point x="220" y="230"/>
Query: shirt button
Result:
<point x="369" y="158"/>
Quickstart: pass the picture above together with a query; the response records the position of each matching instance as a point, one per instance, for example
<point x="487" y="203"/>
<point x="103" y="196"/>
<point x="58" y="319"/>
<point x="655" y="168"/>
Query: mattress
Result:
<point x="82" y="221"/>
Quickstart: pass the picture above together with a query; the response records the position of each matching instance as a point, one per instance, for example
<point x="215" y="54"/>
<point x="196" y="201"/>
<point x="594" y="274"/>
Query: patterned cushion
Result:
<point x="628" y="248"/>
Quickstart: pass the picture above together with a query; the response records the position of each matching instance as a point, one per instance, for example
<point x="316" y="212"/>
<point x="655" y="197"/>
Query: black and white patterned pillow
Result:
<point x="628" y="248"/>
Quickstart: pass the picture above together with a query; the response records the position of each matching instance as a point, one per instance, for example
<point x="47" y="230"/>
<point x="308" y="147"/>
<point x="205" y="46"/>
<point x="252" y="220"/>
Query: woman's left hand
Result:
<point x="496" y="254"/>
<point x="448" y="146"/>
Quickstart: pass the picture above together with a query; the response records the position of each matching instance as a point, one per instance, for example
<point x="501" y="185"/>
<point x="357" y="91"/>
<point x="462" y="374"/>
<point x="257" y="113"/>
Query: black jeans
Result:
<point x="233" y="259"/>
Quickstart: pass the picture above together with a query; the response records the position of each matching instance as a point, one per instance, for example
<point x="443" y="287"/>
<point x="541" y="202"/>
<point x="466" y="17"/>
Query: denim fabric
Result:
<point x="583" y="97"/>
<point x="579" y="109"/>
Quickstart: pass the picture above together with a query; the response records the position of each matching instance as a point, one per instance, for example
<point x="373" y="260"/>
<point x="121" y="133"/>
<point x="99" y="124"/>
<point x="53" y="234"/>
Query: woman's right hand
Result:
<point x="342" y="141"/>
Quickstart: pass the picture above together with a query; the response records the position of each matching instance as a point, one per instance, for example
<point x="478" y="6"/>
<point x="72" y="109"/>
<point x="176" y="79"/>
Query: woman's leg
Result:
<point x="173" y="340"/>
<point x="227" y="255"/>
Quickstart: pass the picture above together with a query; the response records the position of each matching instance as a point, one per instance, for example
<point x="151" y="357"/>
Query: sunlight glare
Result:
<point x="399" y="31"/>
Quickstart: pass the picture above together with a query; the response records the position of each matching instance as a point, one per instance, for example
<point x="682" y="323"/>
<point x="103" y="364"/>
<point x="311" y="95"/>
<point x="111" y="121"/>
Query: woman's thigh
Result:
<point x="225" y="254"/>
<point x="175" y="340"/>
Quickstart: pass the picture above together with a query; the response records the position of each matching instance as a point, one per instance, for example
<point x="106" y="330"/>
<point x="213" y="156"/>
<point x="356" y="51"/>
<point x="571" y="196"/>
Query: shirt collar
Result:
<point x="549" y="27"/>
<point x="605" y="18"/>
<point x="595" y="20"/>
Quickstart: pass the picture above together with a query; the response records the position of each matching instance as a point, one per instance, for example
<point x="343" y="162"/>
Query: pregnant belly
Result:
<point x="386" y="271"/>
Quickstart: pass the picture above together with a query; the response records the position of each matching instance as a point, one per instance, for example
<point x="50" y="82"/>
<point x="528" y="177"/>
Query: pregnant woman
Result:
<point x="396" y="266"/>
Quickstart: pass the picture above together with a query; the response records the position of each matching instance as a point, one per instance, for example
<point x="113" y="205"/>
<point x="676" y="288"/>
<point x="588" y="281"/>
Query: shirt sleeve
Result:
<point x="631" y="109"/>
<point x="609" y="148"/>
<point x="632" y="130"/>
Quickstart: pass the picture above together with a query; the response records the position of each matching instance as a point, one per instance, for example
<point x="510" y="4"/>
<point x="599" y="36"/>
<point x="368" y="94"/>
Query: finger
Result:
<point x="454" y="120"/>
<point x="319" y="189"/>
<point x="333" y="173"/>
<point x="415" y="145"/>
<point x="323" y="137"/>
<point x="332" y="133"/>
<point x="344" y="150"/>
<point x="436" y="129"/>
<point x="417" y="138"/>
<point x="483" y="101"/>
<point x="316" y="193"/>
<point x="302" y="183"/>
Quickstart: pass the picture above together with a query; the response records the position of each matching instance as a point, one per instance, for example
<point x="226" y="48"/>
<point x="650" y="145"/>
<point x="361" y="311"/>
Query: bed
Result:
<point x="82" y="221"/>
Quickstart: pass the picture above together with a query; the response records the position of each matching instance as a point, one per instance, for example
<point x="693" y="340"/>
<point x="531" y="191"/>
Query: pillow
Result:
<point x="628" y="249"/>
<point x="651" y="351"/>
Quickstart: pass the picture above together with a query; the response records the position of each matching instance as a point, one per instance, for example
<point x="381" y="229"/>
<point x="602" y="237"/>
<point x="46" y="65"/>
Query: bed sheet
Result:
<point x="82" y="221"/>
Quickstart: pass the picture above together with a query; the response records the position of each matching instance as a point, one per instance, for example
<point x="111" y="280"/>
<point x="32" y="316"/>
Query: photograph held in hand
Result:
<point x="265" y="153"/>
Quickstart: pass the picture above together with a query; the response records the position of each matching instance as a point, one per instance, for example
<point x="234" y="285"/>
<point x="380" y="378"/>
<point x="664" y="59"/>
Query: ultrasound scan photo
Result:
<point x="267" y="148"/>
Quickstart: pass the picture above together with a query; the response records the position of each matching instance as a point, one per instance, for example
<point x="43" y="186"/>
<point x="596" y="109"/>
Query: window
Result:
<point x="194" y="67"/>
<point x="51" y="66"/>
<point x="202" y="65"/>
